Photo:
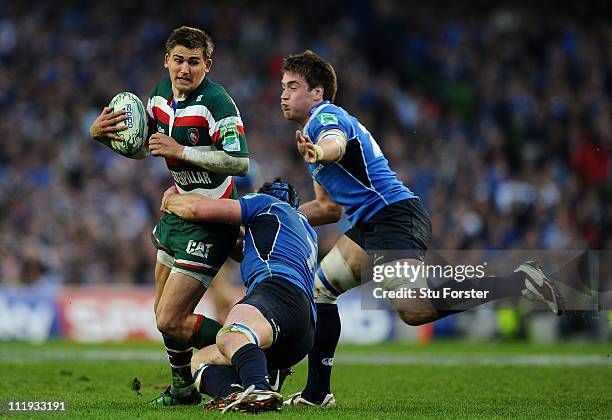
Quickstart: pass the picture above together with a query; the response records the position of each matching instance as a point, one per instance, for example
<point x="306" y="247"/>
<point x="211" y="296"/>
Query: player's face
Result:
<point x="187" y="69"/>
<point x="297" y="98"/>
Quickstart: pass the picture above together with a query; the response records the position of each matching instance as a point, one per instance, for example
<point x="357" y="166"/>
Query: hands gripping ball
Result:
<point x="136" y="134"/>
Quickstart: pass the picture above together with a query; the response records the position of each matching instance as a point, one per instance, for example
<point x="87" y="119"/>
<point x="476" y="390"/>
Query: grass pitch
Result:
<point x="443" y="379"/>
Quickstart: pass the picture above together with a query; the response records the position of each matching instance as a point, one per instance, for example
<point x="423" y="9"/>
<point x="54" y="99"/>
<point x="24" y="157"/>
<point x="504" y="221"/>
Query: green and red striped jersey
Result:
<point x="207" y="119"/>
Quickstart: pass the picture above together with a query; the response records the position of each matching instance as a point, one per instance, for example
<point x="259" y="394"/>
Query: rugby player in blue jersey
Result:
<point x="272" y="327"/>
<point x="352" y="176"/>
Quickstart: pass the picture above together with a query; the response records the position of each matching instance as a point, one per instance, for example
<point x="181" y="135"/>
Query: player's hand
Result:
<point x="166" y="146"/>
<point x="167" y="194"/>
<point x="306" y="147"/>
<point x="104" y="127"/>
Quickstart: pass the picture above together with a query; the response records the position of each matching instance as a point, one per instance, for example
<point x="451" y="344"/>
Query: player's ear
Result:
<point x="318" y="91"/>
<point x="166" y="60"/>
<point x="207" y="64"/>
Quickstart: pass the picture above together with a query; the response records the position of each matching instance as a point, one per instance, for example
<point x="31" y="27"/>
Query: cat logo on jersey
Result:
<point x="326" y="119"/>
<point x="194" y="135"/>
<point x="230" y="136"/>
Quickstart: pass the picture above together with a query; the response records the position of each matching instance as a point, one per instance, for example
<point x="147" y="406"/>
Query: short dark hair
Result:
<point x="192" y="38"/>
<point x="315" y="70"/>
<point x="282" y="190"/>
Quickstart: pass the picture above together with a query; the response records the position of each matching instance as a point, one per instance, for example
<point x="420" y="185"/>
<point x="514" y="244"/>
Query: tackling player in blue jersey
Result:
<point x="272" y="327"/>
<point x="351" y="175"/>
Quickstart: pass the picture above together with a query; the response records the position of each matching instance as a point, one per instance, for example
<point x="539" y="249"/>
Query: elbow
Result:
<point x="333" y="210"/>
<point x="236" y="166"/>
<point x="243" y="168"/>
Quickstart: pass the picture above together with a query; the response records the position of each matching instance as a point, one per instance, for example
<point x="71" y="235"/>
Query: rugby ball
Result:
<point x="136" y="134"/>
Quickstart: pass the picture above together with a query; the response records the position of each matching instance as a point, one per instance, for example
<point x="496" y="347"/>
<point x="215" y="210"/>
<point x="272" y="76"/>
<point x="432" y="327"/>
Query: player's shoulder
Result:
<point x="327" y="115"/>
<point x="214" y="96"/>
<point x="329" y="108"/>
<point x="329" y="112"/>
<point x="212" y="92"/>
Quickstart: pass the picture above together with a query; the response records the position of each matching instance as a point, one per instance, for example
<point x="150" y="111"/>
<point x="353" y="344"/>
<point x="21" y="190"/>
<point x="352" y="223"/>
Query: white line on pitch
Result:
<point x="42" y="356"/>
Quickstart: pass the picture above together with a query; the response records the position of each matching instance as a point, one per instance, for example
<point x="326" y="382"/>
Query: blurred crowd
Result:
<point x="499" y="119"/>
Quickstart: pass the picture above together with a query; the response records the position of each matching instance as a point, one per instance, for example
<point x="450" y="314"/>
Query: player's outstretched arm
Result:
<point x="216" y="161"/>
<point x="322" y="210"/>
<point x="198" y="208"/>
<point x="329" y="148"/>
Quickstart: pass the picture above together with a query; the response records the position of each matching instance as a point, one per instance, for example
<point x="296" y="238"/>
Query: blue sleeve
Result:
<point x="328" y="119"/>
<point x="251" y="205"/>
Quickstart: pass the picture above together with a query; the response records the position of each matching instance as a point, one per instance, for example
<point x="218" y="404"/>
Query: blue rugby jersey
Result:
<point x="278" y="243"/>
<point x="361" y="182"/>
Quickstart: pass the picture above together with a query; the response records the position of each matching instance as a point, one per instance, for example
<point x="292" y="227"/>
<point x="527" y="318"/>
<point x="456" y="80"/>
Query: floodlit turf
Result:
<point x="457" y="387"/>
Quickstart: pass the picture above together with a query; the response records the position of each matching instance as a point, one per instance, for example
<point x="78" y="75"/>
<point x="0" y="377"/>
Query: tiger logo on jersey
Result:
<point x="194" y="135"/>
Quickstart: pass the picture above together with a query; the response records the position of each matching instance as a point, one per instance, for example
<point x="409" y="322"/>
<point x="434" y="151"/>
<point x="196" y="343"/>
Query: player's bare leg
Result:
<point x="209" y="355"/>
<point x="415" y="311"/>
<point x="174" y="315"/>
<point x="527" y="280"/>
<point x="162" y="271"/>
<point x="177" y="322"/>
<point x="177" y="295"/>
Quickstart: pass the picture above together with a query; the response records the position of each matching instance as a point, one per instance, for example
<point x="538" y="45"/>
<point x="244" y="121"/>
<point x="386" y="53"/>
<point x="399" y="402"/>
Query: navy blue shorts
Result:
<point x="288" y="310"/>
<point x="403" y="226"/>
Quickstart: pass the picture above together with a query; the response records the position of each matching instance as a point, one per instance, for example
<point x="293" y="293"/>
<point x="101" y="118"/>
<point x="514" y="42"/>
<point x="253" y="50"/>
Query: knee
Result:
<point x="415" y="318"/>
<point x="322" y="294"/>
<point x="168" y="324"/>
<point x="333" y="277"/>
<point x="228" y="344"/>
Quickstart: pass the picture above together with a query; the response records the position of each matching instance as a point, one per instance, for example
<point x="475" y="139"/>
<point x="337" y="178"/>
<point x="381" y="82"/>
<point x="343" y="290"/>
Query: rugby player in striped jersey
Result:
<point x="196" y="127"/>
